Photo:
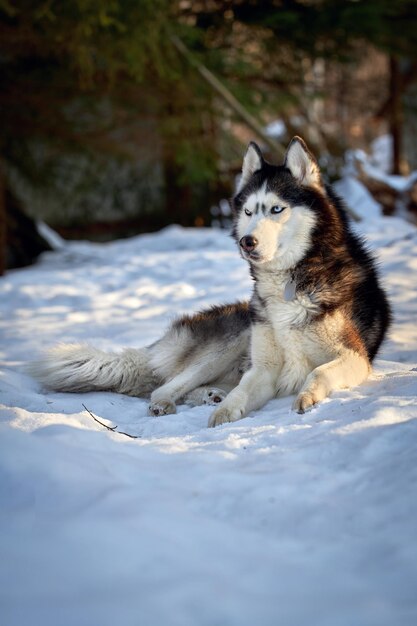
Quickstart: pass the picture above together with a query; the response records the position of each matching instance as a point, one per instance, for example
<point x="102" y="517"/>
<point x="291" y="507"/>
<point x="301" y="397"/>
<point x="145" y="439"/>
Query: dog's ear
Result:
<point x="252" y="162"/>
<point x="302" y="164"/>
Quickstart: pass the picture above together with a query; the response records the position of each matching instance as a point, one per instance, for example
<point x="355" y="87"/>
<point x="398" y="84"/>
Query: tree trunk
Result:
<point x="396" y="114"/>
<point x="2" y="222"/>
<point x="22" y="243"/>
<point x="178" y="205"/>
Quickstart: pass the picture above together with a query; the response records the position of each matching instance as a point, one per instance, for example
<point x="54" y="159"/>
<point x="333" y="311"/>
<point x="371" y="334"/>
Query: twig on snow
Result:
<point x="113" y="429"/>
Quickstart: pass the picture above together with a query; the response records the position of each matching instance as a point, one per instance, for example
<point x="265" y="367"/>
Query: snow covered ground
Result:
<point x="279" y="519"/>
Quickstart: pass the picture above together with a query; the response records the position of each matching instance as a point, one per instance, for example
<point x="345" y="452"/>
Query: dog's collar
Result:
<point x="289" y="290"/>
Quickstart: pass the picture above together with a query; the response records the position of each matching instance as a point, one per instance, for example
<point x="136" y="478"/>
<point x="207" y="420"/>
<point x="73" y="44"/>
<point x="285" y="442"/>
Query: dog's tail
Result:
<point x="81" y="368"/>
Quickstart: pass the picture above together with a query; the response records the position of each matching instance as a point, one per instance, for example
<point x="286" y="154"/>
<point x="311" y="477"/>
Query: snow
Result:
<point x="55" y="241"/>
<point x="276" y="519"/>
<point x="381" y="153"/>
<point x="376" y="168"/>
<point x="357" y="198"/>
<point x="276" y="129"/>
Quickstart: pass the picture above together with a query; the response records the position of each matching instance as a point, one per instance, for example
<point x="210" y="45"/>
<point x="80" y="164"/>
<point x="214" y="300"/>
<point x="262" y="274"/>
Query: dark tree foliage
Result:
<point x="103" y="80"/>
<point x="80" y="76"/>
<point x="334" y="30"/>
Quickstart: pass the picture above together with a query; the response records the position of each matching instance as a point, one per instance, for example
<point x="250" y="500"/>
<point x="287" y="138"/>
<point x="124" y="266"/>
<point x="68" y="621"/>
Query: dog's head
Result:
<point x="276" y="208"/>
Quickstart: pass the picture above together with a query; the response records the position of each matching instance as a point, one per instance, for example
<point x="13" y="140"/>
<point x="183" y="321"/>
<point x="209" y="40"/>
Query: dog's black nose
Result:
<point x="248" y="243"/>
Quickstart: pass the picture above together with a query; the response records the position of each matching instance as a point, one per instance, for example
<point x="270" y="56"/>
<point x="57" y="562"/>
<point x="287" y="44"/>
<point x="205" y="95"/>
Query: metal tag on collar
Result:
<point x="289" y="290"/>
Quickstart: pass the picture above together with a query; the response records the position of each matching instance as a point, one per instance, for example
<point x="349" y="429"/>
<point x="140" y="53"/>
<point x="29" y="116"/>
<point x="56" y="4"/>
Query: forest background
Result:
<point x="125" y="116"/>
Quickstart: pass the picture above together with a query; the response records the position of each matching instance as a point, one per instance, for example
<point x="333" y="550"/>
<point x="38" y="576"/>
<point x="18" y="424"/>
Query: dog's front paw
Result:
<point x="163" y="407"/>
<point x="304" y="401"/>
<point x="223" y="415"/>
<point x="315" y="391"/>
<point x="307" y="399"/>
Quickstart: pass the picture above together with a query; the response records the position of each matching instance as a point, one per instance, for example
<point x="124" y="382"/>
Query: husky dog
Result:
<point x="314" y="323"/>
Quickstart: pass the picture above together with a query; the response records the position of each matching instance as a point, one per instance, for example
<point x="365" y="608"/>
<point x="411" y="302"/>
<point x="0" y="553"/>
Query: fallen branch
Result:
<point x="384" y="194"/>
<point x="391" y="199"/>
<point x="113" y="429"/>
<point x="229" y="98"/>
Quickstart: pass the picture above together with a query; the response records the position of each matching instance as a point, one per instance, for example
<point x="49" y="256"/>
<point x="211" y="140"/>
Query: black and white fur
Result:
<point x="314" y="323"/>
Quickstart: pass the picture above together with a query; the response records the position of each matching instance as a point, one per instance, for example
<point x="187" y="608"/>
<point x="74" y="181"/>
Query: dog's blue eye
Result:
<point x="248" y="212"/>
<point x="277" y="209"/>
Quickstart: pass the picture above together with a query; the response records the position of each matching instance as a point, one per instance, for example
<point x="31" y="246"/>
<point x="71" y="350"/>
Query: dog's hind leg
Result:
<point x="348" y="370"/>
<point x="164" y="398"/>
<point x="207" y="395"/>
<point x="214" y="363"/>
<point x="189" y="380"/>
<point x="210" y="367"/>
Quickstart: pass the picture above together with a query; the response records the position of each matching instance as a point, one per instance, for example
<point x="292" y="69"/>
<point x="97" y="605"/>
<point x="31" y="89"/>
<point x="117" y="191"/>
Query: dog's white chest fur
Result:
<point x="286" y="310"/>
<point x="295" y="337"/>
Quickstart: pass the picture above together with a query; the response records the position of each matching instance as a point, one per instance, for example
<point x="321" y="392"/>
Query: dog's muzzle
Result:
<point x="248" y="243"/>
